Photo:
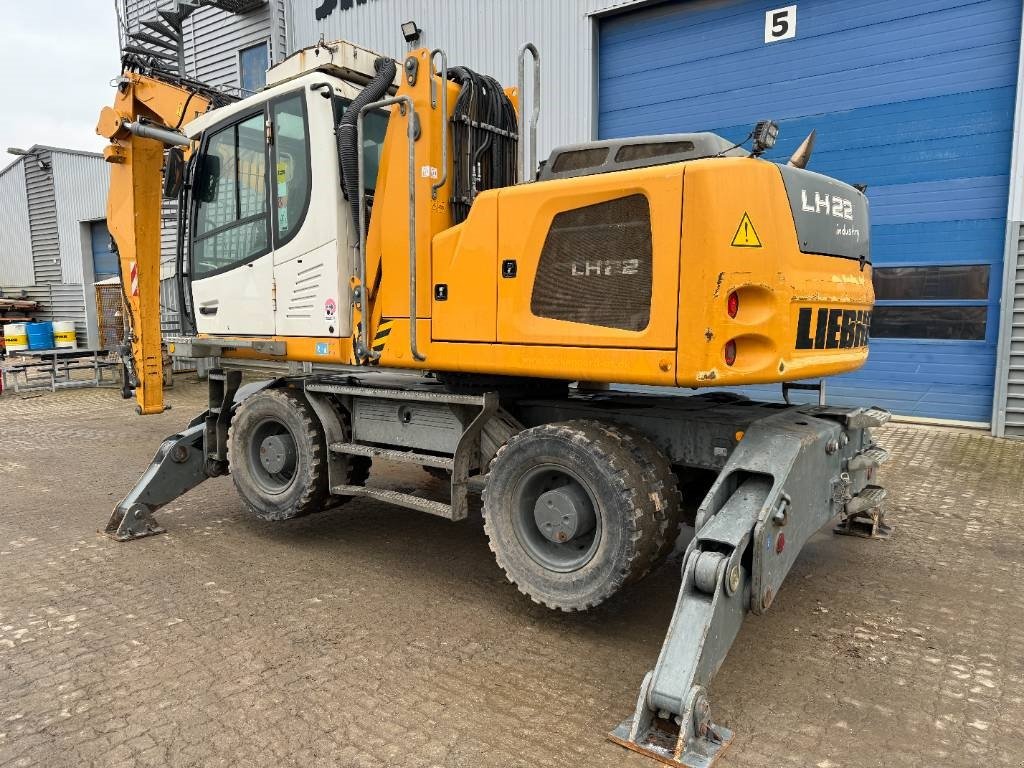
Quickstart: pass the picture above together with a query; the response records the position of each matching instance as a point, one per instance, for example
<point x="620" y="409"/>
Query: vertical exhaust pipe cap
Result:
<point x="802" y="155"/>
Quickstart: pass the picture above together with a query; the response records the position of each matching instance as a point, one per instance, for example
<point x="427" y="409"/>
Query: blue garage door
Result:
<point x="914" y="99"/>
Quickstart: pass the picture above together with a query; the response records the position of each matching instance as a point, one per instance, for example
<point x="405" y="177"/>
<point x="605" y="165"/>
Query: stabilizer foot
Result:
<point x="667" y="740"/>
<point x="136" y="522"/>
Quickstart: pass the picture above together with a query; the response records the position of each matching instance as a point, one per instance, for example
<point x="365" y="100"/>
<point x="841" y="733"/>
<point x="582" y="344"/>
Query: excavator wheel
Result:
<point x="662" y="487"/>
<point x="277" y="455"/>
<point x="571" y="513"/>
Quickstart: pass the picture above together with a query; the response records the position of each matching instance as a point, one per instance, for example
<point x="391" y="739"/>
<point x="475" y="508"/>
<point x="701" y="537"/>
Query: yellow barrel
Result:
<point x="64" y="336"/>
<point x="15" y="337"/>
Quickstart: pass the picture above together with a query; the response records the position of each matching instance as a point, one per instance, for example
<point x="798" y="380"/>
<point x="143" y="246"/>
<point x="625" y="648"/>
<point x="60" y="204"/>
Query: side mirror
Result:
<point x="209" y="177"/>
<point x="174" y="173"/>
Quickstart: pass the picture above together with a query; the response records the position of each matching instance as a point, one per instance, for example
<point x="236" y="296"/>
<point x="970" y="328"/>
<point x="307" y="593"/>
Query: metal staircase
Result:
<point x="159" y="41"/>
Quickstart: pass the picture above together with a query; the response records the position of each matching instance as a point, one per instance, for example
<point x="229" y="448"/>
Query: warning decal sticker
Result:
<point x="746" y="236"/>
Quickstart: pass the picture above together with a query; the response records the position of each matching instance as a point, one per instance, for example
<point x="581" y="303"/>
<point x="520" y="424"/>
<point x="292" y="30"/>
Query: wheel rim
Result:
<point x="273" y="455"/>
<point x="555" y="517"/>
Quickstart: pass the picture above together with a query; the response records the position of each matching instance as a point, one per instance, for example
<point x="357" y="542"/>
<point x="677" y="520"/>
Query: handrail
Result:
<point x="527" y="171"/>
<point x="444" y="117"/>
<point x="363" y="346"/>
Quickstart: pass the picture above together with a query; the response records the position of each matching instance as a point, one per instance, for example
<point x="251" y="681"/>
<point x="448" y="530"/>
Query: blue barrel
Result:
<point x="40" y="335"/>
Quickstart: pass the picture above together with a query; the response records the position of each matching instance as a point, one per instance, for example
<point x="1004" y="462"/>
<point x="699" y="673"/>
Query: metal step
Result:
<point x="872" y="496"/>
<point x="872" y="457"/>
<point x="160" y="28"/>
<point x="440" y="396"/>
<point x="406" y="500"/>
<point x="406" y="457"/>
<point x="149" y="52"/>
<point x="167" y="45"/>
<point x="867" y="418"/>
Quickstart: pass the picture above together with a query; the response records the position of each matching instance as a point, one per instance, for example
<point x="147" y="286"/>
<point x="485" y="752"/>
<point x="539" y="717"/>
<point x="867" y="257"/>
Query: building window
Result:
<point x="595" y="266"/>
<point x="253" y="63"/>
<point x="948" y="302"/>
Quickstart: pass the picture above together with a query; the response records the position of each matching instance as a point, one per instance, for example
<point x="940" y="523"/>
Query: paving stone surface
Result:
<point x="374" y="636"/>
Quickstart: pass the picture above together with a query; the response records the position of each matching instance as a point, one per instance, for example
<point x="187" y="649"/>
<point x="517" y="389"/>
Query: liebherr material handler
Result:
<point x="377" y="235"/>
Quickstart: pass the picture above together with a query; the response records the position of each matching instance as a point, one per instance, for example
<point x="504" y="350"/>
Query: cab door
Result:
<point x="232" y="269"/>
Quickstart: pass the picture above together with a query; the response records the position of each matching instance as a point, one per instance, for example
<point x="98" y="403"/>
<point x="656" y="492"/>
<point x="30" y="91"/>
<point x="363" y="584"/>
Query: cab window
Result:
<point x="291" y="166"/>
<point x="231" y="222"/>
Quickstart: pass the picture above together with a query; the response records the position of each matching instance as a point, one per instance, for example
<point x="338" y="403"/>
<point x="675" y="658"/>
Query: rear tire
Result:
<point x="568" y="513"/>
<point x="277" y="455"/>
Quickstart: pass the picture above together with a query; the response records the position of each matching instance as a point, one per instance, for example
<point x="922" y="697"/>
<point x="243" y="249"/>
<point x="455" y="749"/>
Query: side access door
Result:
<point x="591" y="261"/>
<point x="232" y="267"/>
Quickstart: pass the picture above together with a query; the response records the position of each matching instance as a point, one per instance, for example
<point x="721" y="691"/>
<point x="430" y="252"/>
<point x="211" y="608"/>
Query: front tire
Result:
<point x="568" y="514"/>
<point x="277" y="455"/>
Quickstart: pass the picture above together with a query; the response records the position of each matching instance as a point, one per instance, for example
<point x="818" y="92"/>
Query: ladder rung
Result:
<point x="396" y="497"/>
<point x="407" y="457"/>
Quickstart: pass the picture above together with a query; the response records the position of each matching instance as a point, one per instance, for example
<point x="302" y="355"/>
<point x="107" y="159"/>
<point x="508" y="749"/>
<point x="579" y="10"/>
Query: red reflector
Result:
<point x="734" y="304"/>
<point x="780" y="543"/>
<point x="730" y="352"/>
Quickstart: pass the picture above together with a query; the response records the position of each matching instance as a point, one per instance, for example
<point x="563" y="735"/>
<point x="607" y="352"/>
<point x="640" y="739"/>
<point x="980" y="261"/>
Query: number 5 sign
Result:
<point x="780" y="24"/>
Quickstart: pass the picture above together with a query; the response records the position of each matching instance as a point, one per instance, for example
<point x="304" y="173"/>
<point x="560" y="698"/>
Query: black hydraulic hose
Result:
<point x="346" y="135"/>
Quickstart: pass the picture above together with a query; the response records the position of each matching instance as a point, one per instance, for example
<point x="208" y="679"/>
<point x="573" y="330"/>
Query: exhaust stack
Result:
<point x="802" y="155"/>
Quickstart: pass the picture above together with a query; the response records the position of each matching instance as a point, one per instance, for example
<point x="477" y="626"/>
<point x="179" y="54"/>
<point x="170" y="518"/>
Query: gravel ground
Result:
<point x="374" y="636"/>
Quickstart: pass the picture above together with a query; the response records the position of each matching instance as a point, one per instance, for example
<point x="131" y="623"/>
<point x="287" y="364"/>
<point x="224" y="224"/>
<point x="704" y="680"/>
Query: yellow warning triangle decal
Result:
<point x="746" y="236"/>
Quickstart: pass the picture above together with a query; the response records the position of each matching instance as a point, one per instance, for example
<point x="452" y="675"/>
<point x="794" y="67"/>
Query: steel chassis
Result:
<point x="782" y="473"/>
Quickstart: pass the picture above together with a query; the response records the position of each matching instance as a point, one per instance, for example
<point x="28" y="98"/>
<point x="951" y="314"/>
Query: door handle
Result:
<point x="208" y="310"/>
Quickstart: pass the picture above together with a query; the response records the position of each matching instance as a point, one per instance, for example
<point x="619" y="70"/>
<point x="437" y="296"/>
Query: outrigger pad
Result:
<point x="661" y="743"/>
<point x="135" y="523"/>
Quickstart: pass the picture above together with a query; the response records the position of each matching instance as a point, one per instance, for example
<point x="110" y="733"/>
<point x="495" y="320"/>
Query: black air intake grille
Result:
<point x="595" y="267"/>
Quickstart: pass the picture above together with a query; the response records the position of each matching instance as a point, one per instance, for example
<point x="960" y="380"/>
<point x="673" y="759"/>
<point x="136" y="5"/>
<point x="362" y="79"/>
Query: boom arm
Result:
<point x="145" y="117"/>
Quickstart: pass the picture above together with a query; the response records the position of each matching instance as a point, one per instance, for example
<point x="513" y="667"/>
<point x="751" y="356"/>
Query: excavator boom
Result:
<point x="144" y="120"/>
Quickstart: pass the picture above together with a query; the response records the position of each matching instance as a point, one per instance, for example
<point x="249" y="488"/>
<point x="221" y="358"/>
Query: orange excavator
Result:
<point x="375" y="241"/>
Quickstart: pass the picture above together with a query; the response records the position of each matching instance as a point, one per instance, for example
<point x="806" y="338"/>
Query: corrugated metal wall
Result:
<point x="922" y="117"/>
<point x="484" y="35"/>
<point x="42" y="218"/>
<point x="1009" y="406"/>
<point x="16" y="267"/>
<point x="80" y="185"/>
<point x="58" y="301"/>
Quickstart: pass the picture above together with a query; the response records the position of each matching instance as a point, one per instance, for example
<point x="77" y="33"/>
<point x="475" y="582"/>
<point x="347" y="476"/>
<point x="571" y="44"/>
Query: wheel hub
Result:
<point x="555" y="518"/>
<point x="564" y="513"/>
<point x="277" y="453"/>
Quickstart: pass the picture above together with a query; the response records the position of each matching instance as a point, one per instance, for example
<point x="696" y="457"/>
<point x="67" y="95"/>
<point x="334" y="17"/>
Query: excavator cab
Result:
<point x="267" y="219"/>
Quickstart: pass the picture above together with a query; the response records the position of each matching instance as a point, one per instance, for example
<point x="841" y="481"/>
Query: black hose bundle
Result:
<point x="483" y="139"/>
<point x="347" y="136"/>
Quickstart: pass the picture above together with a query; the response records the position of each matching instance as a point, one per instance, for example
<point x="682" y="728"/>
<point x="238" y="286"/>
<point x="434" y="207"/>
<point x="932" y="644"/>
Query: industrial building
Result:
<point x="55" y="243"/>
<point x="920" y="101"/>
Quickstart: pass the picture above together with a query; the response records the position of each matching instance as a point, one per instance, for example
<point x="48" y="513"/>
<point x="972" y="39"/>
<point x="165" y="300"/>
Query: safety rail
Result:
<point x="407" y="108"/>
<point x="528" y="170"/>
<point x="443" y="178"/>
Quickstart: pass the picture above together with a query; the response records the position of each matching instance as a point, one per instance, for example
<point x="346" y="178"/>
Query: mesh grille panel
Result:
<point x="580" y="158"/>
<point x="647" y="151"/>
<point x="595" y="267"/>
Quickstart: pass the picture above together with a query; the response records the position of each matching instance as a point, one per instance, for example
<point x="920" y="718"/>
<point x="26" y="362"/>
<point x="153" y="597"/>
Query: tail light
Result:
<point x="733" y="304"/>
<point x="730" y="352"/>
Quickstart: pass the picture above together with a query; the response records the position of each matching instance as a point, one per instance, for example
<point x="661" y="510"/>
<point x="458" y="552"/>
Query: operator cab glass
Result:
<point x="231" y="198"/>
